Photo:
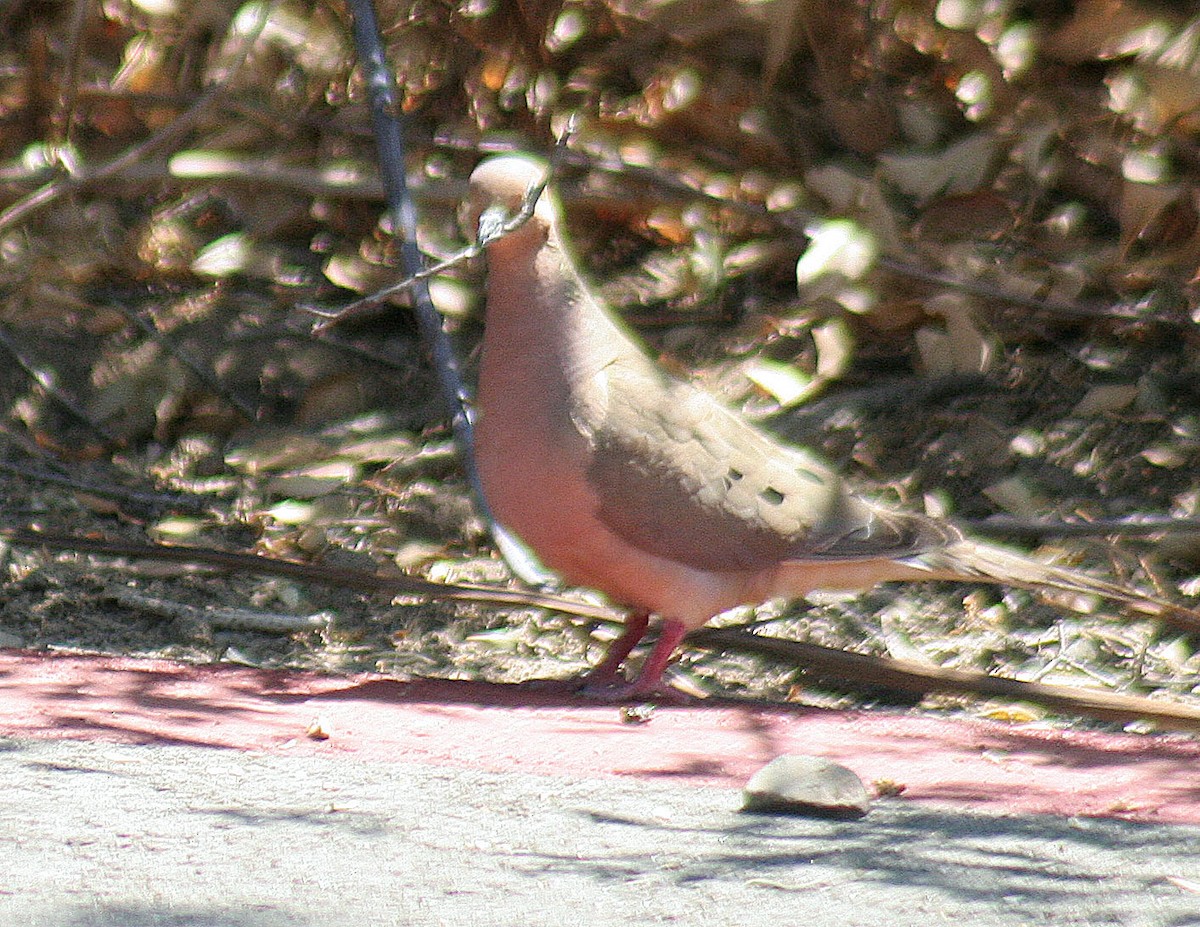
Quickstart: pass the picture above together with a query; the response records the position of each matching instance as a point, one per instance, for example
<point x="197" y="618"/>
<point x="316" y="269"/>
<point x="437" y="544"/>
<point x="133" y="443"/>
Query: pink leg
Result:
<point x="649" y="681"/>
<point x="605" y="672"/>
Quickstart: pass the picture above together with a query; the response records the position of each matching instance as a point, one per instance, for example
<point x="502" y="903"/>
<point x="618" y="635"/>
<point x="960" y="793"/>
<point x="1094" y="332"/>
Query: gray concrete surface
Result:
<point x="94" y="834"/>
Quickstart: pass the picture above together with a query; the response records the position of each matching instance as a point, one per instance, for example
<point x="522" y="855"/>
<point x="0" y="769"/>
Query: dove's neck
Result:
<point x="543" y="335"/>
<point x="547" y="335"/>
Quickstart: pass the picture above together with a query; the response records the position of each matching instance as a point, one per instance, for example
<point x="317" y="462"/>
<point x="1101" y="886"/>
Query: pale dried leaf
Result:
<point x="838" y="246"/>
<point x="228" y="255"/>
<point x="1108" y="397"/>
<point x="959" y="168"/>
<point x="315" y="481"/>
<point x="1167" y="456"/>
<point x="785" y="383"/>
<point x="835" y="348"/>
<point x="960" y="345"/>
<point x="1017" y="496"/>
<point x="292" y="512"/>
<point x="351" y="272"/>
<point x="277" y="451"/>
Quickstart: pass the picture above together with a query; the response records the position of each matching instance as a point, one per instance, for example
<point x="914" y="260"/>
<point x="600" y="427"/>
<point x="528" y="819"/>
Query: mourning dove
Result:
<point x="629" y="481"/>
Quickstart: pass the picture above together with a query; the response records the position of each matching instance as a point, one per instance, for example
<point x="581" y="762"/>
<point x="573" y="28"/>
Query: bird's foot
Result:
<point x="564" y="687"/>
<point x="621" y="692"/>
<point x="606" y="683"/>
<point x="608" y="690"/>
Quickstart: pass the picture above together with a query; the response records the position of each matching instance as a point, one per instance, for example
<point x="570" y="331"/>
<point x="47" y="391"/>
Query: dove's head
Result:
<point x="501" y="188"/>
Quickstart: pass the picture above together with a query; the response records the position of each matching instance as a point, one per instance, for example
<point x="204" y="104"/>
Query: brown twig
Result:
<point x="1034" y="528"/>
<point x="1066" y="310"/>
<point x="339" y="577"/>
<point x="50" y="388"/>
<point x="909" y="676"/>
<point x="154" y="501"/>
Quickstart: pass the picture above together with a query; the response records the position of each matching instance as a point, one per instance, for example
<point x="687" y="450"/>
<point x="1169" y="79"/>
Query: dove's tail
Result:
<point x="976" y="560"/>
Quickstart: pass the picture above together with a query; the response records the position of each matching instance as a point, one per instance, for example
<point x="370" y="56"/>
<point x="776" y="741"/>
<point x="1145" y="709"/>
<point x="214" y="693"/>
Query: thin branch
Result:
<point x="795" y="220"/>
<point x="245" y="619"/>
<point x="46" y="384"/>
<point x="1079" y="311"/>
<point x="1034" y="529"/>
<point x="153" y="501"/>
<point x="74" y="63"/>
<point x="339" y="577"/>
<point x="388" y="123"/>
<point x="918" y="678"/>
<point x="492" y="226"/>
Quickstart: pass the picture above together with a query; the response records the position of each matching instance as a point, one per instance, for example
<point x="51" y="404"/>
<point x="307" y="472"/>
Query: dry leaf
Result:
<point x="960" y="346"/>
<point x="1110" y="397"/>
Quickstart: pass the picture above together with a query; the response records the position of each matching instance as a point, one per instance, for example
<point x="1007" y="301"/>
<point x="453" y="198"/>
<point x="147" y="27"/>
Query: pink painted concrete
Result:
<point x="977" y="764"/>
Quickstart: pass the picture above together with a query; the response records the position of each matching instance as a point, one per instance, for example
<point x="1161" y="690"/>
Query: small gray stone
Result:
<point x="806" y="785"/>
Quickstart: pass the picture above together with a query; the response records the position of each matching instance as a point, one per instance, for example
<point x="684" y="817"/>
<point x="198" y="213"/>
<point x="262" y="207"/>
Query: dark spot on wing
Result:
<point x="771" y="496"/>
